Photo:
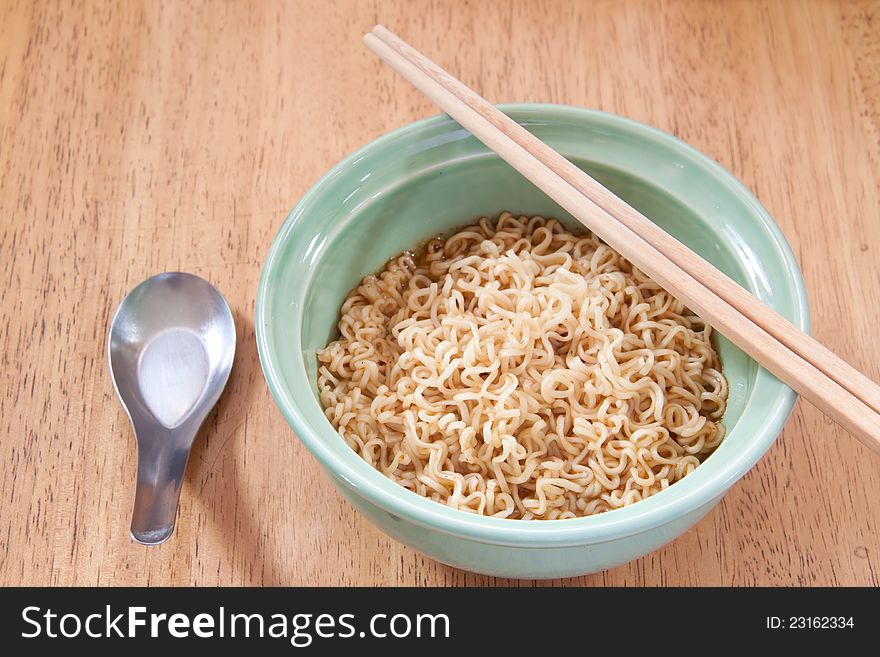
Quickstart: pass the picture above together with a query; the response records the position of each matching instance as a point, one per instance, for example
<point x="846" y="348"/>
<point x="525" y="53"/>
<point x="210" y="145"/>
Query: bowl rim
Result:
<point x="627" y="521"/>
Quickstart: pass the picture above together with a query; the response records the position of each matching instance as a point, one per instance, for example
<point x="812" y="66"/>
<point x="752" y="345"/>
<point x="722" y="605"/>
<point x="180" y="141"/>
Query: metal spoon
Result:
<point x="171" y="347"/>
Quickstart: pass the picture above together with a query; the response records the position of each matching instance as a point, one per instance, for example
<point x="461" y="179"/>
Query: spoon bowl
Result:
<point x="171" y="346"/>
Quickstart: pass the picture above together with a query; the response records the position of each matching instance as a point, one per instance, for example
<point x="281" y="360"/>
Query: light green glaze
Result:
<point x="431" y="177"/>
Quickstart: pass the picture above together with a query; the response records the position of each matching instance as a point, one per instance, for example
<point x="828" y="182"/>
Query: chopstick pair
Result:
<point x="828" y="382"/>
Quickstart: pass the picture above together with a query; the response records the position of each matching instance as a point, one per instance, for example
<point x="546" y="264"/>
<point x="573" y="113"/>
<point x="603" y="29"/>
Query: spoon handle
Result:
<point x="161" y="464"/>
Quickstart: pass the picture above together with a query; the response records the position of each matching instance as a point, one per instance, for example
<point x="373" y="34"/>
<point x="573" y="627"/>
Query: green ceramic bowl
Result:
<point x="431" y="177"/>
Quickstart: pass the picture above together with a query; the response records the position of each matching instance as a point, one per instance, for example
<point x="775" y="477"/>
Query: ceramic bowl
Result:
<point x="433" y="176"/>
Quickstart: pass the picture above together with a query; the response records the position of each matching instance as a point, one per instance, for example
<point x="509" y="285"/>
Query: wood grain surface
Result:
<point x="149" y="136"/>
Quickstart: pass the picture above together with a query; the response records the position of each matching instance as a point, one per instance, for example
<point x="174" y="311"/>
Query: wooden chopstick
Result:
<point x="767" y="318"/>
<point x="545" y="168"/>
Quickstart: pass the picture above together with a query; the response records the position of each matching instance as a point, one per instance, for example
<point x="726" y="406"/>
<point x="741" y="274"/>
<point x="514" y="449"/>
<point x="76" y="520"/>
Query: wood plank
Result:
<point x="162" y="135"/>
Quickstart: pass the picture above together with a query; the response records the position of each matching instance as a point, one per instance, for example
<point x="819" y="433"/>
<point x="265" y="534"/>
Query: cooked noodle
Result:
<point x="520" y="371"/>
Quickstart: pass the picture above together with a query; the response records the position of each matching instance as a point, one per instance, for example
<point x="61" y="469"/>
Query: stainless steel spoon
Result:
<point x="171" y="347"/>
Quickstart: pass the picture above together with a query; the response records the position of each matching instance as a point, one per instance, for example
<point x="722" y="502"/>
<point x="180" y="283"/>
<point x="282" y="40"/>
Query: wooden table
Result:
<point x="142" y="137"/>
